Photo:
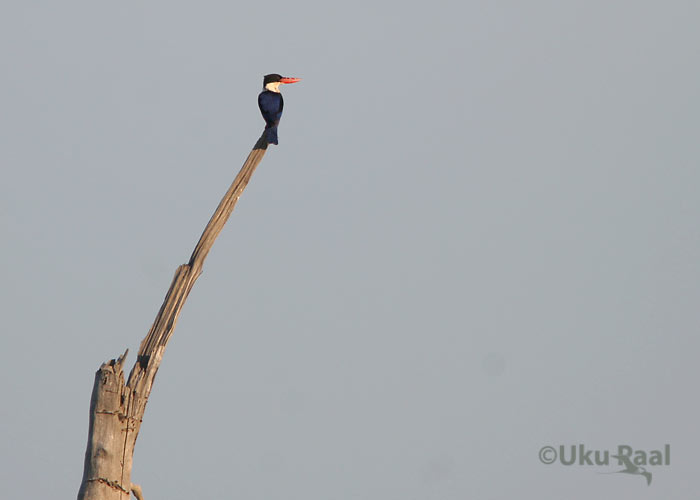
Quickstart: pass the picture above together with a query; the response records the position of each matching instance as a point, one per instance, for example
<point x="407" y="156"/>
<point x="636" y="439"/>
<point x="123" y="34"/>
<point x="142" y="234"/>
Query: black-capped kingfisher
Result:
<point x="271" y="103"/>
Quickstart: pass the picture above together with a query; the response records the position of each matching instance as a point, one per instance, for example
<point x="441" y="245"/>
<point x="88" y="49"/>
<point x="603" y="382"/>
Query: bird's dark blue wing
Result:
<point x="271" y="105"/>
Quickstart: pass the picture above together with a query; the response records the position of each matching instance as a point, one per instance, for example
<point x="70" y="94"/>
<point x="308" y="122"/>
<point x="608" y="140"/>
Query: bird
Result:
<point x="271" y="103"/>
<point x="630" y="468"/>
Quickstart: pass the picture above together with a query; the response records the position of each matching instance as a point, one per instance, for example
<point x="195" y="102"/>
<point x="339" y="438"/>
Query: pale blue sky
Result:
<point x="477" y="237"/>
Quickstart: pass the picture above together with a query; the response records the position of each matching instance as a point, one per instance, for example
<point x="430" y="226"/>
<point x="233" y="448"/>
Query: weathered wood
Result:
<point x="116" y="408"/>
<point x="102" y="471"/>
<point x="136" y="490"/>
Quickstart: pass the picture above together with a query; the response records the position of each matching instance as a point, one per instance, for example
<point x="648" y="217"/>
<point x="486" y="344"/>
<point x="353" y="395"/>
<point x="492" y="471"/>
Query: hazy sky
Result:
<point x="479" y="236"/>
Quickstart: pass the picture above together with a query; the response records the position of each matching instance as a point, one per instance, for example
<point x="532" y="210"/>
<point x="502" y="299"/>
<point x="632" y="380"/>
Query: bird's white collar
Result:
<point x="273" y="87"/>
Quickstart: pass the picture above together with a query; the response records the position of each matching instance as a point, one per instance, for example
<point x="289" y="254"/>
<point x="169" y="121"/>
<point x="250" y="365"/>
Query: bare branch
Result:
<point x="116" y="408"/>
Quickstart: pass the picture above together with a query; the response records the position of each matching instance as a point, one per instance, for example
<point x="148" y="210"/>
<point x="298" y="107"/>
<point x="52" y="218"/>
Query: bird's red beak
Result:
<point x="289" y="80"/>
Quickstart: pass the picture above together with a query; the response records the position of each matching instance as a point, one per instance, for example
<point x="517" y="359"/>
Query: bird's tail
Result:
<point x="271" y="134"/>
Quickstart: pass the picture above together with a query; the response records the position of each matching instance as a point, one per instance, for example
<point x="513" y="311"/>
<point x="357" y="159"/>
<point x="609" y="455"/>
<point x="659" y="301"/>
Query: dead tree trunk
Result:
<point x="116" y="408"/>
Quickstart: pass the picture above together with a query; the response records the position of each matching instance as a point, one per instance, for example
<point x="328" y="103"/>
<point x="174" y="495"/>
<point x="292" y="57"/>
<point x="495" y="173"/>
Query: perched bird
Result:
<point x="271" y="103"/>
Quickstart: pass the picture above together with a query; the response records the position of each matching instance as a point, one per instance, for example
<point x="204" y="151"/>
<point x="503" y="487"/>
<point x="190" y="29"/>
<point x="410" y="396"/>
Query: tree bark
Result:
<point x="117" y="408"/>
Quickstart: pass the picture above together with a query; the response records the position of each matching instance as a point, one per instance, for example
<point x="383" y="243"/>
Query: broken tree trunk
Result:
<point x="116" y="408"/>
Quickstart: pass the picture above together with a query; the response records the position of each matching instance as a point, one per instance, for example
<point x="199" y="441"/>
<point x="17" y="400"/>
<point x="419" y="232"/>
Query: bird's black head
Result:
<point x="272" y="78"/>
